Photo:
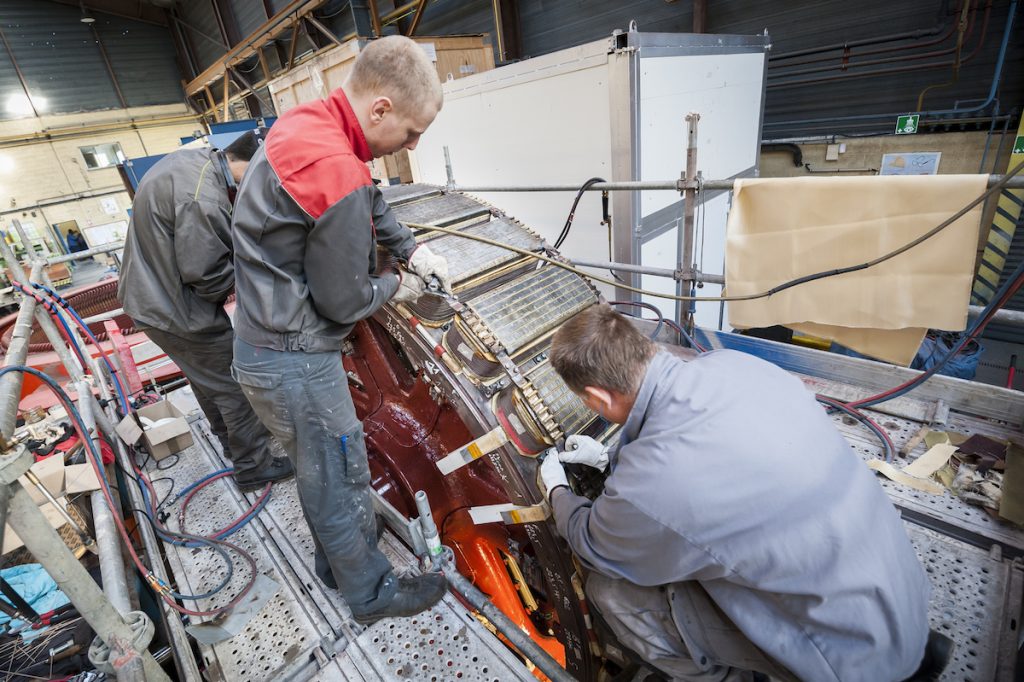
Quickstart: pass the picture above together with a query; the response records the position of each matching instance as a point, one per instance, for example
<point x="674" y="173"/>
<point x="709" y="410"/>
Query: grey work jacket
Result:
<point x="177" y="270"/>
<point x="307" y="223"/>
<point x="730" y="474"/>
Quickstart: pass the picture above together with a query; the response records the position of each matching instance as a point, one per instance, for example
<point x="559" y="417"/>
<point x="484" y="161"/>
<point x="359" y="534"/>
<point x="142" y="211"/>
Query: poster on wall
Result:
<point x="96" y="235"/>
<point x="110" y="206"/>
<point x="910" y="163"/>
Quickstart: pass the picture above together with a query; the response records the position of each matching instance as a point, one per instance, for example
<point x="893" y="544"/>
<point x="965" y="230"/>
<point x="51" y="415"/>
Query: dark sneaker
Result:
<point x="412" y="596"/>
<point x="937" y="653"/>
<point x="278" y="469"/>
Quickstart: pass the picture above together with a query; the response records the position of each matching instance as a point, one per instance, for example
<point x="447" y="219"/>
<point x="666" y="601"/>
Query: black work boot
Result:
<point x="277" y="469"/>
<point x="937" y="653"/>
<point x="413" y="595"/>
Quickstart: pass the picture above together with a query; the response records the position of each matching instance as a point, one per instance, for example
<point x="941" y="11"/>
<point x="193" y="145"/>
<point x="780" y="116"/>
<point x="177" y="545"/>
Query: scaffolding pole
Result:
<point x="642" y="185"/>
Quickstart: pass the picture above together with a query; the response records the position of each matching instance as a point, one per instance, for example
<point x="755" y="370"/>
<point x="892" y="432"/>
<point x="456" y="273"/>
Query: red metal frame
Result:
<point x="406" y="432"/>
<point x="129" y="371"/>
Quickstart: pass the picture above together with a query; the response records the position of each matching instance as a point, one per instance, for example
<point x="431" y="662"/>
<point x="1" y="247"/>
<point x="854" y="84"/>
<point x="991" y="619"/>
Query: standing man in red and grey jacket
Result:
<point x="306" y="227"/>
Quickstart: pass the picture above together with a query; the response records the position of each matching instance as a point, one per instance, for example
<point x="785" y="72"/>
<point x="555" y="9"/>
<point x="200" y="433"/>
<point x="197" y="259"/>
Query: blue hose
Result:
<point x="85" y="328"/>
<point x="167" y="537"/>
<point x="75" y="415"/>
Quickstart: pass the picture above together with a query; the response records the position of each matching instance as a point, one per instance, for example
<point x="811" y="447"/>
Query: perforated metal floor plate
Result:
<point x="975" y="592"/>
<point x="305" y="631"/>
<point x="287" y="628"/>
<point x="963" y="520"/>
<point x="969" y="590"/>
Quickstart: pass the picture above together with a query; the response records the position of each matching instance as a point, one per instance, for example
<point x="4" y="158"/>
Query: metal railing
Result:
<point x="647" y="185"/>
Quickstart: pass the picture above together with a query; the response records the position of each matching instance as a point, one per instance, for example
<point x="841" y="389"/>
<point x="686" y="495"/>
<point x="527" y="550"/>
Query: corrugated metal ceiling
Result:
<point x="203" y="31"/>
<point x="64" y="69"/>
<point x="143" y="60"/>
<point x="549" y="25"/>
<point x="58" y="57"/>
<point x="37" y="28"/>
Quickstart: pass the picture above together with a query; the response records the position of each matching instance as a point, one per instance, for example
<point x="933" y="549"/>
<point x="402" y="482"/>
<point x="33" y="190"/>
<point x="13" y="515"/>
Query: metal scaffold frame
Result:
<point x="117" y="630"/>
<point x="109" y="614"/>
<point x="108" y="611"/>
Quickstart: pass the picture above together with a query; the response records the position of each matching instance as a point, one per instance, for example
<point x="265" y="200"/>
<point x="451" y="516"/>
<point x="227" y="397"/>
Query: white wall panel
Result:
<point x="548" y="121"/>
<point x="541" y="121"/>
<point x="725" y="90"/>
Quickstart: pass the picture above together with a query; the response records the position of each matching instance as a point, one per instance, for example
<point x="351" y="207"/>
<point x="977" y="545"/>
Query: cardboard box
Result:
<point x="163" y="440"/>
<point x="50" y="472"/>
<point x="80" y="478"/>
<point x="56" y="519"/>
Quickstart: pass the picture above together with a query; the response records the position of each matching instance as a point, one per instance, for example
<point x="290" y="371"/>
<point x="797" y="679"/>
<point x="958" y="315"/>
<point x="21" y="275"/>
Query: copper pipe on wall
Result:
<point x="892" y="37"/>
<point x="908" y="69"/>
<point x="846" y="65"/>
<point x="847" y="52"/>
<point x="956" y="64"/>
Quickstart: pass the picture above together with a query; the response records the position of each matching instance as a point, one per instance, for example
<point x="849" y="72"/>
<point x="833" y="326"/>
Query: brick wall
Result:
<point x="45" y="180"/>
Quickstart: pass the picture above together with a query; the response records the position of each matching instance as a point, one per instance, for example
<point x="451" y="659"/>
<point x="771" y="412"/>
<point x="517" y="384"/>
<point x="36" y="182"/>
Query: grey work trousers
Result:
<point x="643" y="619"/>
<point x="206" y="362"/>
<point x="303" y="398"/>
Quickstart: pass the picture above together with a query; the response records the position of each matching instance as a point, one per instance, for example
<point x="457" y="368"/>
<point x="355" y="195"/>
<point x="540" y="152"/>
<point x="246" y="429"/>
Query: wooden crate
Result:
<point x="461" y="56"/>
<point x="315" y="78"/>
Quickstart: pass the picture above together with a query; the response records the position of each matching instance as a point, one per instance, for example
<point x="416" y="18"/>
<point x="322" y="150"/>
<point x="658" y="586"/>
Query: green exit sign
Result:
<point x="1018" y="145"/>
<point x="907" y="125"/>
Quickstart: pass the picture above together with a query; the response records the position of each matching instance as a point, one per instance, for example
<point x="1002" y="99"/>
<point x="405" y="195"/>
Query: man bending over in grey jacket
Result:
<point x="176" y="275"/>
<point x="737" y="530"/>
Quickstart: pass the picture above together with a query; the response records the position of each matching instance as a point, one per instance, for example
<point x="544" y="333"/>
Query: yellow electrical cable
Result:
<point x="565" y="266"/>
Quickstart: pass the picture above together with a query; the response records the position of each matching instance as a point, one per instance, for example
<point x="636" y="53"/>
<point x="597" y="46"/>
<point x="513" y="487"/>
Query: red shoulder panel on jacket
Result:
<point x="313" y="158"/>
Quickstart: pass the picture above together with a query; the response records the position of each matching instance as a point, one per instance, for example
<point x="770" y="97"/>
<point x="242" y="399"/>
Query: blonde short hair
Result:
<point x="396" y="67"/>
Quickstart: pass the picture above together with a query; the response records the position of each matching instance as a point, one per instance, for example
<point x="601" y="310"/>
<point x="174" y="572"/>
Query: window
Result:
<point x="102" y="155"/>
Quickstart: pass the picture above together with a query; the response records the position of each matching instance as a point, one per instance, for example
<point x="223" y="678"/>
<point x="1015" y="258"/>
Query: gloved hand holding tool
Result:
<point x="585" y="450"/>
<point x="428" y="264"/>
<point x="410" y="287"/>
<point x="552" y="473"/>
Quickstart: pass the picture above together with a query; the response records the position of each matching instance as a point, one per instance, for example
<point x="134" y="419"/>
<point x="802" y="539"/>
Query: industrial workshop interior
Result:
<point x="468" y="340"/>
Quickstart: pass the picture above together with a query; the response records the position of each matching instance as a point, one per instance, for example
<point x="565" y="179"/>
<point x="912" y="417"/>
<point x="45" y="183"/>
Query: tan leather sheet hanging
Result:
<point x="784" y="228"/>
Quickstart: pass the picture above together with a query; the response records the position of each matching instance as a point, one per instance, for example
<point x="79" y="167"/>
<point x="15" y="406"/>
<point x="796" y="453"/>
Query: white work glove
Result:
<point x="410" y="288"/>
<point x="427" y="264"/>
<point x="552" y="474"/>
<point x="585" y="450"/>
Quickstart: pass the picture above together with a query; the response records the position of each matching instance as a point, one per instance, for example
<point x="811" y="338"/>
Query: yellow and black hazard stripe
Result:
<point x="1005" y="223"/>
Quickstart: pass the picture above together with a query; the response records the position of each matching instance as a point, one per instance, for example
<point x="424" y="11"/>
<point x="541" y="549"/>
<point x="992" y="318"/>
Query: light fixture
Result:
<point x="86" y="17"/>
<point x="18" y="104"/>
